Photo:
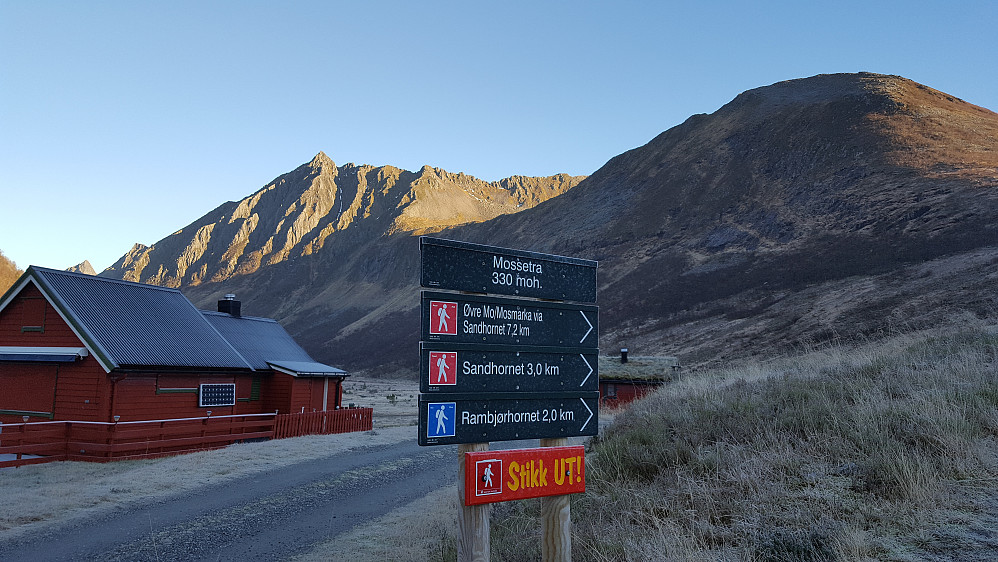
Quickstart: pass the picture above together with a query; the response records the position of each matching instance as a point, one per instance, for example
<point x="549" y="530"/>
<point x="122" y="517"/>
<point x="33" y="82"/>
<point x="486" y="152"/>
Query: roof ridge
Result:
<point x="244" y="317"/>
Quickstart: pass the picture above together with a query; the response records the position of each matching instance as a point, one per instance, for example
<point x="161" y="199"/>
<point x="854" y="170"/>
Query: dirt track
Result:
<point x="270" y="515"/>
<point x="307" y="498"/>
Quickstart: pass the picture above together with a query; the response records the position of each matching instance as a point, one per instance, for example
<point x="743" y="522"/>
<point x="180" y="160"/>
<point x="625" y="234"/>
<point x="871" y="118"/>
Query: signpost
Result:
<point x="461" y="266"/>
<point x="462" y="418"/>
<point x="498" y="476"/>
<point x="457" y="318"/>
<point x="502" y="368"/>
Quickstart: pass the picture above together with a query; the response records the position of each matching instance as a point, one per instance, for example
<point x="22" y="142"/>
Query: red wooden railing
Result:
<point x="106" y="441"/>
<point x="324" y="423"/>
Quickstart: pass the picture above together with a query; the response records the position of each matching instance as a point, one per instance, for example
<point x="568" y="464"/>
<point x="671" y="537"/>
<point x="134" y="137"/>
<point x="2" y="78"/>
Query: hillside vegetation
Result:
<point x="885" y="451"/>
<point x="8" y="273"/>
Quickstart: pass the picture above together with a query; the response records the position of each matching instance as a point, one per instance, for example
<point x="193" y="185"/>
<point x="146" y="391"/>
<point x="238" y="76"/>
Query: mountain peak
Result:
<point x="321" y="161"/>
<point x="83" y="267"/>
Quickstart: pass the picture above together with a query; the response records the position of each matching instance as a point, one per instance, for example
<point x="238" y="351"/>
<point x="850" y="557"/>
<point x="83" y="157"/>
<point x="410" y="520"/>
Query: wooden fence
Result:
<point x="324" y="423"/>
<point x="38" y="442"/>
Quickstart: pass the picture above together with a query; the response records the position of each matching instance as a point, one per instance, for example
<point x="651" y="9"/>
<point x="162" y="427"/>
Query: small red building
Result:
<point x="622" y="382"/>
<point x="86" y="348"/>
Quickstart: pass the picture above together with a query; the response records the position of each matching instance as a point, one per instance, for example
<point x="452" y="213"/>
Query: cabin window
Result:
<point x="33" y="315"/>
<point x="611" y="390"/>
<point x="217" y="395"/>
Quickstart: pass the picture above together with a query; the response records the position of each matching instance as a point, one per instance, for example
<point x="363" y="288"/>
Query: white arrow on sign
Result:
<point x="587" y="365"/>
<point x="590" y="326"/>
<point x="581" y="429"/>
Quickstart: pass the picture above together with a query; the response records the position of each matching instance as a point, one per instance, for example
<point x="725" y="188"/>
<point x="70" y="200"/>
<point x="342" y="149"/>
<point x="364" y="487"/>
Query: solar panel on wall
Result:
<point x="218" y="394"/>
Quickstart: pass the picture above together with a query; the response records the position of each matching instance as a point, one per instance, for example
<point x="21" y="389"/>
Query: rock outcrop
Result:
<point x="83" y="267"/>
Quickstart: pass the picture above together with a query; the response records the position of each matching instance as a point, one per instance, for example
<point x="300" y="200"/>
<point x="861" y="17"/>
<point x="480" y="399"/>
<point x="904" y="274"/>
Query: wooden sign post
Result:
<point x="473" y="522"/>
<point x="556" y="520"/>
<point x="503" y="369"/>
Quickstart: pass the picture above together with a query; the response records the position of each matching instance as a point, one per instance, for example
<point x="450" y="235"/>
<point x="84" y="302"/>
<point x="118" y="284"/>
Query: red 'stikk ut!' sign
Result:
<point x="498" y="476"/>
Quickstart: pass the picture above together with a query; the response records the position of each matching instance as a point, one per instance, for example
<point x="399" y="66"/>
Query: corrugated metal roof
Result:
<point x="133" y="324"/>
<point x="306" y="368"/>
<point x="264" y="342"/>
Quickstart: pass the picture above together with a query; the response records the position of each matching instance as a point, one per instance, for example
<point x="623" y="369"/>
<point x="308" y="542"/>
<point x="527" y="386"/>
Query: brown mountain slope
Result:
<point x="318" y="204"/>
<point x="872" y="195"/>
<point x="8" y="273"/>
<point x="835" y="206"/>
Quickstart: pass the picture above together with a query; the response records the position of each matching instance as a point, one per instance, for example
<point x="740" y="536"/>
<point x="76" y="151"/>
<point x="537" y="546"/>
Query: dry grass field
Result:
<point x="885" y="451"/>
<point x="393" y="400"/>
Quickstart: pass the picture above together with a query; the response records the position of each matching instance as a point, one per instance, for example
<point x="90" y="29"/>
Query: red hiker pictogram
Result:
<point x="443" y="368"/>
<point x="443" y="318"/>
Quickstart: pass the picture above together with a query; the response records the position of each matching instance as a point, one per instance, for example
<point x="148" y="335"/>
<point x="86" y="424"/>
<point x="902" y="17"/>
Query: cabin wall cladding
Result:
<point x="29" y="320"/>
<point x="139" y="397"/>
<point x="618" y="393"/>
<point x="83" y="392"/>
<point x="248" y="394"/>
<point x="301" y="393"/>
<point x="37" y="390"/>
<point x="276" y="394"/>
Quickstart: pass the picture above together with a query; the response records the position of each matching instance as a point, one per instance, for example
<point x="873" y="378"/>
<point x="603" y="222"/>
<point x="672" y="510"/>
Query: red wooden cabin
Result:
<point x="617" y="392"/>
<point x="85" y="348"/>
<point x="624" y="381"/>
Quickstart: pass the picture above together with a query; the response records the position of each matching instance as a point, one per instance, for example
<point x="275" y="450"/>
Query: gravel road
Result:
<point x="271" y="515"/>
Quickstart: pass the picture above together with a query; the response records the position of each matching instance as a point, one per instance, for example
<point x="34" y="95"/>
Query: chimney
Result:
<point x="623" y="355"/>
<point x="229" y="305"/>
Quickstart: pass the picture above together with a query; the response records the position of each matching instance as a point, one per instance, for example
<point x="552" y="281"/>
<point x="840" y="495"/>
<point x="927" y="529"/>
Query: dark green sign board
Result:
<point x="450" y="368"/>
<point x="461" y="418"/>
<point x="461" y="266"/>
<point x="457" y="318"/>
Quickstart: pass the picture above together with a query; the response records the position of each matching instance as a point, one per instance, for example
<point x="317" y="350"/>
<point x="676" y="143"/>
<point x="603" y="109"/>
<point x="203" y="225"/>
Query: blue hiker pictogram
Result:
<point x="441" y="419"/>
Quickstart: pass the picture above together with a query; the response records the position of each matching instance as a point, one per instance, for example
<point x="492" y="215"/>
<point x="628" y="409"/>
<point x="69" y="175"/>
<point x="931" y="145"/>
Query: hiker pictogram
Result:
<point x="443" y="368"/>
<point x="442" y="419"/>
<point x="443" y="318"/>
<point x="488" y="482"/>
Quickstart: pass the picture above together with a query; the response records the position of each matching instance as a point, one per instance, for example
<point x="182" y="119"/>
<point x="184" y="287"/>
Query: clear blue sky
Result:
<point x="121" y="122"/>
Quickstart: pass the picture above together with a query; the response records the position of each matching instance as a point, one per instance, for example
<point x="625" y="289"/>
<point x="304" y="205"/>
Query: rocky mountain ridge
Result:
<point x="832" y="207"/>
<point x="301" y="211"/>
